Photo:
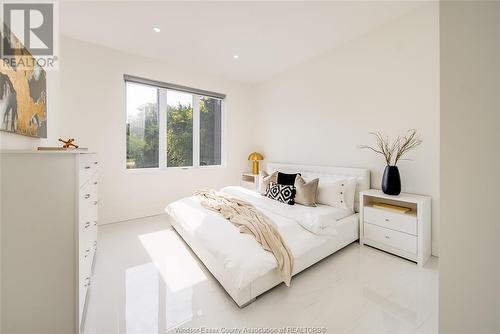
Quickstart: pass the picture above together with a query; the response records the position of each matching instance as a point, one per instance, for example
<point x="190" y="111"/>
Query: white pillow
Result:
<point x="337" y="192"/>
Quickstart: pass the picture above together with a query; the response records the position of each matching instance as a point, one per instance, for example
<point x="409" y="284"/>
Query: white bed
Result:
<point x="239" y="263"/>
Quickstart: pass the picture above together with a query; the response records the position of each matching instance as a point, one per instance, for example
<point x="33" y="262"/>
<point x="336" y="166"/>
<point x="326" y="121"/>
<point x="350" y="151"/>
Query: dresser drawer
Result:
<point x="88" y="204"/>
<point x="88" y="221"/>
<point x="399" y="240"/>
<point x="88" y="240"/>
<point x="86" y="252"/>
<point x="395" y="221"/>
<point x="88" y="193"/>
<point x="84" y="283"/>
<point x="85" y="270"/>
<point x="82" y="296"/>
<point x="88" y="166"/>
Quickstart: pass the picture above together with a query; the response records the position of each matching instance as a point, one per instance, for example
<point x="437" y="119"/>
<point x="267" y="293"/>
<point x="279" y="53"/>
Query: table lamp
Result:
<point x="255" y="157"/>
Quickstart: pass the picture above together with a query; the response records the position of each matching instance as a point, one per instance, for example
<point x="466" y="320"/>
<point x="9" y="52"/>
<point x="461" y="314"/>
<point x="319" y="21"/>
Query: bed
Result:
<point x="238" y="262"/>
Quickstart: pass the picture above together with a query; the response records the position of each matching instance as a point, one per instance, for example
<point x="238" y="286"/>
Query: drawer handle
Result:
<point x="95" y="182"/>
<point x="387" y="220"/>
<point x="387" y="237"/>
<point x="95" y="223"/>
<point x="87" y="196"/>
<point x="95" y="162"/>
<point x="95" y="202"/>
<point x="87" y="167"/>
<point x="87" y="224"/>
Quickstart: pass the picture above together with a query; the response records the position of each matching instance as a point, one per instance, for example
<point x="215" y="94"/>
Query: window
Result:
<point x="142" y="126"/>
<point x="172" y="126"/>
<point x="210" y="131"/>
<point x="179" y="129"/>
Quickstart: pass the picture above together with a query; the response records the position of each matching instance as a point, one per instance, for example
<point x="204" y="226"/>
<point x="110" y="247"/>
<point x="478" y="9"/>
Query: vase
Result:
<point x="391" y="181"/>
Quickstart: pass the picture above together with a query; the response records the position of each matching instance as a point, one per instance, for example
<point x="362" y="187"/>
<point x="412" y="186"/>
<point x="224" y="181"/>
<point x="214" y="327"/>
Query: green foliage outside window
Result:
<point x="142" y="138"/>
<point x="143" y="135"/>
<point x="179" y="136"/>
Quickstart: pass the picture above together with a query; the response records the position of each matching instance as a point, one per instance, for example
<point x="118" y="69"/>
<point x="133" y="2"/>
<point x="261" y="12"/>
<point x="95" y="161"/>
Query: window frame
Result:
<point x="162" y="123"/>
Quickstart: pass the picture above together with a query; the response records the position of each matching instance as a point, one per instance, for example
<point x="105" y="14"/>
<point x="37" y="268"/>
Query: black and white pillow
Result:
<point x="281" y="192"/>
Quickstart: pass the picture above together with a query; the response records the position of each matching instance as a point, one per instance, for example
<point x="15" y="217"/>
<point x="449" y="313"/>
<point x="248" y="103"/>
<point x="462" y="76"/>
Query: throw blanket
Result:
<point x="251" y="221"/>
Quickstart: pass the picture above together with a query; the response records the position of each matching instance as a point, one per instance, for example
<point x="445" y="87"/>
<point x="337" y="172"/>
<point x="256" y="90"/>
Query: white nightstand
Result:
<point x="405" y="234"/>
<point x="249" y="180"/>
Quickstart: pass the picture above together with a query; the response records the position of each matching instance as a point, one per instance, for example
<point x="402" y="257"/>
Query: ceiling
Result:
<point x="268" y="37"/>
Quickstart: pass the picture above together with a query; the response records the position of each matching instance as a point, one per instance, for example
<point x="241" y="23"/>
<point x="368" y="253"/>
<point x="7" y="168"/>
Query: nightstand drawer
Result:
<point x="249" y="181"/>
<point x="399" y="240"/>
<point x="395" y="221"/>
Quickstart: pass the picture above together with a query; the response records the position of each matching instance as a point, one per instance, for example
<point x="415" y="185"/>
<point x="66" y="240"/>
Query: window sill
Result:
<point x="167" y="169"/>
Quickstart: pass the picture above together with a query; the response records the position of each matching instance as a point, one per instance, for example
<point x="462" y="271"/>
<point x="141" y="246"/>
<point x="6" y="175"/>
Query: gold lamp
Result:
<point x="255" y="157"/>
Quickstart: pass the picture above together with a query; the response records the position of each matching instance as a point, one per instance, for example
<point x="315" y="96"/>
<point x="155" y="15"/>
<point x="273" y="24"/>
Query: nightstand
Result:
<point x="249" y="180"/>
<point x="406" y="234"/>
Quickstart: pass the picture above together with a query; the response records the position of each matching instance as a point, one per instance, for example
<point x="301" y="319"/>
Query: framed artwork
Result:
<point x="23" y="92"/>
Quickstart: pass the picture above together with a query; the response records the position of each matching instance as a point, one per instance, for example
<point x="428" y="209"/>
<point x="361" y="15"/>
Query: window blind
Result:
<point x="161" y="84"/>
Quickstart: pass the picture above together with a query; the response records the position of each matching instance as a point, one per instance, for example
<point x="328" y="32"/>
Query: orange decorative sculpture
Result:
<point x="68" y="143"/>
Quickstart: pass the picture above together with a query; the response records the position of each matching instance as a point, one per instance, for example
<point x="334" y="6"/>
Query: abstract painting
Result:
<point x="23" y="92"/>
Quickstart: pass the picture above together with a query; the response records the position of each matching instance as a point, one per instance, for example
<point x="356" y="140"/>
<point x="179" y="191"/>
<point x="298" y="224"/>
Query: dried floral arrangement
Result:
<point x="397" y="149"/>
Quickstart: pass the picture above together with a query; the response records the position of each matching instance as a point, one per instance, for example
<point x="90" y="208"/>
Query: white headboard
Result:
<point x="362" y="175"/>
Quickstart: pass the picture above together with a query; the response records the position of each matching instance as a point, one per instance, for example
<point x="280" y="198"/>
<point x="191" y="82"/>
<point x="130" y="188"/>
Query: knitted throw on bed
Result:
<point x="251" y="221"/>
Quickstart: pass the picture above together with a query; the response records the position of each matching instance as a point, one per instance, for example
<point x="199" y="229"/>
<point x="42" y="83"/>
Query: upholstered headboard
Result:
<point x="362" y="175"/>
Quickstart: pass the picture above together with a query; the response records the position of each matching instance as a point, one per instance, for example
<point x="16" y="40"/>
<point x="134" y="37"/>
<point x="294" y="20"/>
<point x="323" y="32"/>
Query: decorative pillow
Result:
<point x="265" y="179"/>
<point x="281" y="192"/>
<point x="287" y="179"/>
<point x="306" y="191"/>
<point x="337" y="192"/>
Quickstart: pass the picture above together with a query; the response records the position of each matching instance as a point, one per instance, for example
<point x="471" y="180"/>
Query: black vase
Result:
<point x="391" y="181"/>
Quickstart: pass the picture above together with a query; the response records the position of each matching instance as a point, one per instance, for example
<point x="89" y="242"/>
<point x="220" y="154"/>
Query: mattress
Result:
<point x="238" y="261"/>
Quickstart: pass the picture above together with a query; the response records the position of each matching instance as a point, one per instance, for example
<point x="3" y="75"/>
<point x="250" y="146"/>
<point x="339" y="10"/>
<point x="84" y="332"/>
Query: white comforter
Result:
<point x="301" y="227"/>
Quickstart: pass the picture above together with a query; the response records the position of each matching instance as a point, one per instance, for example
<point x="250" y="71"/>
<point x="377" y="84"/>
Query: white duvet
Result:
<point x="302" y="228"/>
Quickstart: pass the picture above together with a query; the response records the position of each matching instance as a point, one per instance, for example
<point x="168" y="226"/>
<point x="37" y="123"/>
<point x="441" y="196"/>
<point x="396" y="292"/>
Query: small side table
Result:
<point x="406" y="234"/>
<point x="249" y="180"/>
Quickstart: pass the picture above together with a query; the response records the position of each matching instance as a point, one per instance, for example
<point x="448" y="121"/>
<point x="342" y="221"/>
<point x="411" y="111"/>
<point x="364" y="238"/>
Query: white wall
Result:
<point x="469" y="265"/>
<point x="92" y="101"/>
<point x="386" y="80"/>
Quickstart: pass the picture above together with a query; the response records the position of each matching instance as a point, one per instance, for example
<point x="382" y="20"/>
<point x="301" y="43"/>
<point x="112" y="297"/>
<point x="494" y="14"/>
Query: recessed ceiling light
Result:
<point x="156" y="29"/>
<point x="236" y="56"/>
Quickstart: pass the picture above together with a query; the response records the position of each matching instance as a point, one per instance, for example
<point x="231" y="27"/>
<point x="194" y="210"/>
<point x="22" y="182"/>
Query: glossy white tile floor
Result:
<point x="146" y="280"/>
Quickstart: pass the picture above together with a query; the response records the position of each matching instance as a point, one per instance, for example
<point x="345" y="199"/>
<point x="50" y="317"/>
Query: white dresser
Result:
<point x="49" y="239"/>
<point x="405" y="234"/>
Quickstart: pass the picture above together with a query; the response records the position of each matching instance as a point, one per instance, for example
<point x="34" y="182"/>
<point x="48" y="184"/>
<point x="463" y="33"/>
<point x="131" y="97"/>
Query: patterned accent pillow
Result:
<point x="281" y="192"/>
